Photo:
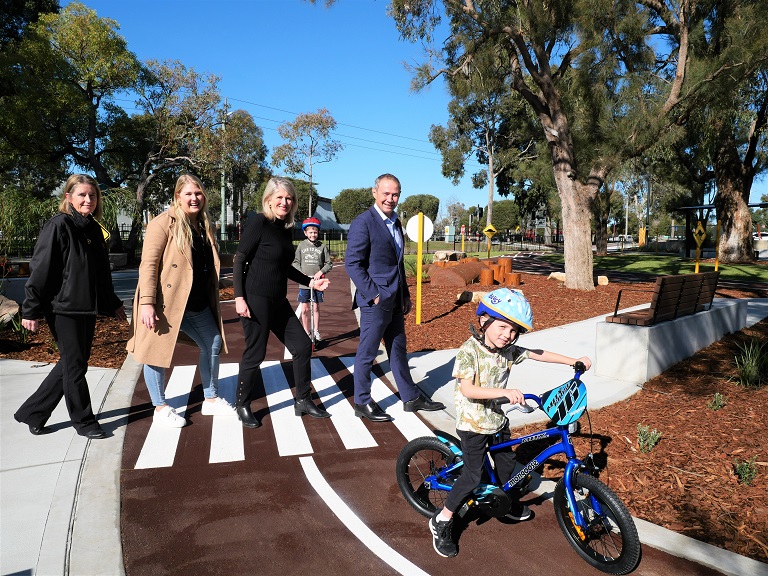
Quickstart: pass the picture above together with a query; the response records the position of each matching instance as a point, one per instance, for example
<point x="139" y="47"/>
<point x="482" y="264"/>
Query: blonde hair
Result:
<point x="276" y="183"/>
<point x="182" y="232"/>
<point x="66" y="207"/>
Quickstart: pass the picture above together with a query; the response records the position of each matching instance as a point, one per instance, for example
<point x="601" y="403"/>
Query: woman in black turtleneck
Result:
<point x="265" y="254"/>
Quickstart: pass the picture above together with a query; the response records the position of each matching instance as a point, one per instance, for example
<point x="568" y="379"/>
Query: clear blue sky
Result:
<point x="279" y="58"/>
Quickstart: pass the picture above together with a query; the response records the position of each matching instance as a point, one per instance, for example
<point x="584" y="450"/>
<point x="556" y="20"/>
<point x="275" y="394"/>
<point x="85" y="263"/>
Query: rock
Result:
<point x="468" y="296"/>
<point x="559" y="276"/>
<point x="602" y="280"/>
<point x="8" y="308"/>
<point x="448" y="255"/>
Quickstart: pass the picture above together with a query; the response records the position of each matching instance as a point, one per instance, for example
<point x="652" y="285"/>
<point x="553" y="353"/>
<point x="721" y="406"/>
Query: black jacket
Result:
<point x="69" y="270"/>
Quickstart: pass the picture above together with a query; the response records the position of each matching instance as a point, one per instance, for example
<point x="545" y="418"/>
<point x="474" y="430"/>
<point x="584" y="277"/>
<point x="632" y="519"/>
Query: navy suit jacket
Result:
<point x="372" y="264"/>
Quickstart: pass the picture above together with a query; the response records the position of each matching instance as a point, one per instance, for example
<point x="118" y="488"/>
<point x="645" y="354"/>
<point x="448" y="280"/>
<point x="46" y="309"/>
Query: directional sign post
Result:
<point x="699" y="235"/>
<point x="489" y="232"/>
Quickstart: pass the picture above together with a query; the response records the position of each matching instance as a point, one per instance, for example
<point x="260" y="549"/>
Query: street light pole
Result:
<point x="223" y="217"/>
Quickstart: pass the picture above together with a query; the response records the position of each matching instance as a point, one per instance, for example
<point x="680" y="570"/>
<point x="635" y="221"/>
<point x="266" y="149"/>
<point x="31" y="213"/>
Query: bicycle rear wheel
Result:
<point x="419" y="459"/>
<point x="609" y="542"/>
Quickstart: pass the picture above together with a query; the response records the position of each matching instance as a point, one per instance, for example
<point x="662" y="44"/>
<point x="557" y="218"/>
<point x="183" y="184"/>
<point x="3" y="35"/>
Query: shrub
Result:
<point x="411" y="265"/>
<point x="752" y="364"/>
<point x="745" y="470"/>
<point x="718" y="401"/>
<point x="647" y="438"/>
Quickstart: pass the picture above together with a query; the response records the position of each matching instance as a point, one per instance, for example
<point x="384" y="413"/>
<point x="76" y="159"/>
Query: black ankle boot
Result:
<point x="306" y="406"/>
<point x="247" y="418"/>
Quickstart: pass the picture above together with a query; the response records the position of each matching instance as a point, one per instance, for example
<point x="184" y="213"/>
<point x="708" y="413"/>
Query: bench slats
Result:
<point x="673" y="297"/>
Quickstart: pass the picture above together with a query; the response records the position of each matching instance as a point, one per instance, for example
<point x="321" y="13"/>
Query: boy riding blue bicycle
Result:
<point x="482" y="370"/>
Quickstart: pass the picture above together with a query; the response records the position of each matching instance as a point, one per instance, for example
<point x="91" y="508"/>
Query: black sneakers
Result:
<point x="442" y="540"/>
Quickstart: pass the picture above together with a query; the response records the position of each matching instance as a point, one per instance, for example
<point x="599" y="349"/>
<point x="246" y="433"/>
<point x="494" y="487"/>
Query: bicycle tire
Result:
<point x="418" y="459"/>
<point x="610" y="542"/>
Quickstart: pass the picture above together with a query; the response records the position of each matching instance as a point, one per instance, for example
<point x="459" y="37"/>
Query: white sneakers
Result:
<point x="168" y="418"/>
<point x="219" y="407"/>
<point x="317" y="336"/>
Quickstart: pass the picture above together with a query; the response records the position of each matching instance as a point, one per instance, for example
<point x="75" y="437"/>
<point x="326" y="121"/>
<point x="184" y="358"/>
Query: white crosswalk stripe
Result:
<point x="351" y="429"/>
<point x="408" y="423"/>
<point x="227" y="444"/>
<point x="291" y="436"/>
<point x="292" y="439"/>
<point x="160" y="445"/>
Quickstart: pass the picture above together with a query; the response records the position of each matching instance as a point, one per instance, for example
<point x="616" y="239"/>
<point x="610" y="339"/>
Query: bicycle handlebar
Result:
<point x="579" y="369"/>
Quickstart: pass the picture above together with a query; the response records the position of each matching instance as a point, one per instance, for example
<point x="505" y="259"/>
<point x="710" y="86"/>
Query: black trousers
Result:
<point x="275" y="315"/>
<point x="473" y="447"/>
<point x="74" y="337"/>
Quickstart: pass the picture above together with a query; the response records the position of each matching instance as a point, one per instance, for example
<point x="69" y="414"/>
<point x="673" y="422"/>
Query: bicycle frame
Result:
<point x="563" y="446"/>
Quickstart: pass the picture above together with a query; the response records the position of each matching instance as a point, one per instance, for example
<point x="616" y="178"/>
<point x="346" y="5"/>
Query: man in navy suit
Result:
<point x="374" y="262"/>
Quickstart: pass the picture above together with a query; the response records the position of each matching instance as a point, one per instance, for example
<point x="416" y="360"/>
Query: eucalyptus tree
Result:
<point x="608" y="80"/>
<point x="308" y="142"/>
<point x="739" y="140"/>
<point x="487" y="122"/>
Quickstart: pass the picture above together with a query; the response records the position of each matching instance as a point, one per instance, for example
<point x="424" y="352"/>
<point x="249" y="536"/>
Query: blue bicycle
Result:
<point x="593" y="518"/>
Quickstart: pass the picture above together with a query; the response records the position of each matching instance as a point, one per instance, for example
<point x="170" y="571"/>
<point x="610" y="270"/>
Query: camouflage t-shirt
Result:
<point x="488" y="370"/>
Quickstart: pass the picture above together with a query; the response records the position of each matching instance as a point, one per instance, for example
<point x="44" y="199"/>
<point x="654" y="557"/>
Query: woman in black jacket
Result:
<point x="69" y="284"/>
<point x="264" y="258"/>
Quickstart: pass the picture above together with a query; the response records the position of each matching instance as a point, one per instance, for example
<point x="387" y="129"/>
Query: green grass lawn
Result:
<point x="658" y="264"/>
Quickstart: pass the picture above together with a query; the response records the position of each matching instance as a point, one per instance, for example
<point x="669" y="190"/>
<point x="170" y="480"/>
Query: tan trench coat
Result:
<point x="165" y="280"/>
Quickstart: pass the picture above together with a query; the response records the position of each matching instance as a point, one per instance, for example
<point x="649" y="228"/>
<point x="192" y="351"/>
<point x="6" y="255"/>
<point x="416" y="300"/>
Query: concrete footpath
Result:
<point x="60" y="493"/>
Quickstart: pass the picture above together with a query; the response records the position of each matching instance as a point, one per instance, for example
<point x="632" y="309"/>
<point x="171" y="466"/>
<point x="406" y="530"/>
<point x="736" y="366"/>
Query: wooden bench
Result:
<point x="673" y="297"/>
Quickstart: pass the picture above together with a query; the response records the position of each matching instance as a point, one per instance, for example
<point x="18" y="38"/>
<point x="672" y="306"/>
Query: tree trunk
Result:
<point x="736" y="243"/>
<point x="577" y="231"/>
<point x="733" y="186"/>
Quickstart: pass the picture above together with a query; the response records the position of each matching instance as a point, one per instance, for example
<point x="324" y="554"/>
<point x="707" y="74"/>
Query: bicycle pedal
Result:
<point x="465" y="508"/>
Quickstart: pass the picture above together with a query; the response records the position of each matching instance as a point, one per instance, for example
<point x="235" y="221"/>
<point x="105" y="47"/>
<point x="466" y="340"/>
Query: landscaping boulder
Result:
<point x="8" y="309"/>
<point x="448" y="255"/>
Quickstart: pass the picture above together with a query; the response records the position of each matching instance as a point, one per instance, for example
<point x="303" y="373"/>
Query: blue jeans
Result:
<point x="202" y="328"/>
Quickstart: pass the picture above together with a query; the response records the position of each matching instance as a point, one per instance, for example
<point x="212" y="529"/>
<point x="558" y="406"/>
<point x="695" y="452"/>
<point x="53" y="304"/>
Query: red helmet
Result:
<point x="310" y="222"/>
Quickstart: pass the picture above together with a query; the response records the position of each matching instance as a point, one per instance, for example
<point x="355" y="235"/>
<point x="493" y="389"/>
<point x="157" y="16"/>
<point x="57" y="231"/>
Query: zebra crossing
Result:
<point x="290" y="433"/>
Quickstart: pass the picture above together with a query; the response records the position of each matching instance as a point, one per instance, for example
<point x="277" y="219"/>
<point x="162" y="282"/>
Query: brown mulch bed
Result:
<point x="686" y="483"/>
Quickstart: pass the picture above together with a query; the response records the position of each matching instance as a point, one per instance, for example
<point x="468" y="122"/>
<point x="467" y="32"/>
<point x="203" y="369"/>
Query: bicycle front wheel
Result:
<point x="609" y="542"/>
<point x="420" y="458"/>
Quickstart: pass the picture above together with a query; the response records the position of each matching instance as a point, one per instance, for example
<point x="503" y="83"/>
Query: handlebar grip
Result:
<point x="579" y="366"/>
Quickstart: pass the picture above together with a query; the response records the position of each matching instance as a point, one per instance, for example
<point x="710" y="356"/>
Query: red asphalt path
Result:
<point x="263" y="514"/>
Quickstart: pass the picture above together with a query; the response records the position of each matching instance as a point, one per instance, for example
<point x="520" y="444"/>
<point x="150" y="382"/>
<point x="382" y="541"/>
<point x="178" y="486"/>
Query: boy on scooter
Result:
<point x="313" y="259"/>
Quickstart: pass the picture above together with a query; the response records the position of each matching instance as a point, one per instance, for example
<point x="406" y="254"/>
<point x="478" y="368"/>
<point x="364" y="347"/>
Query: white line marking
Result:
<point x="354" y="524"/>
<point x="408" y="423"/>
<point x="290" y="434"/>
<point x="352" y="431"/>
<point x="227" y="444"/>
<point x="160" y="445"/>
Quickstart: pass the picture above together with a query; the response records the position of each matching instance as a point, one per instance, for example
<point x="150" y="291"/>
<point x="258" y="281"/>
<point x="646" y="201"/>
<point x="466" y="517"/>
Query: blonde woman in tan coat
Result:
<point x="178" y="291"/>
